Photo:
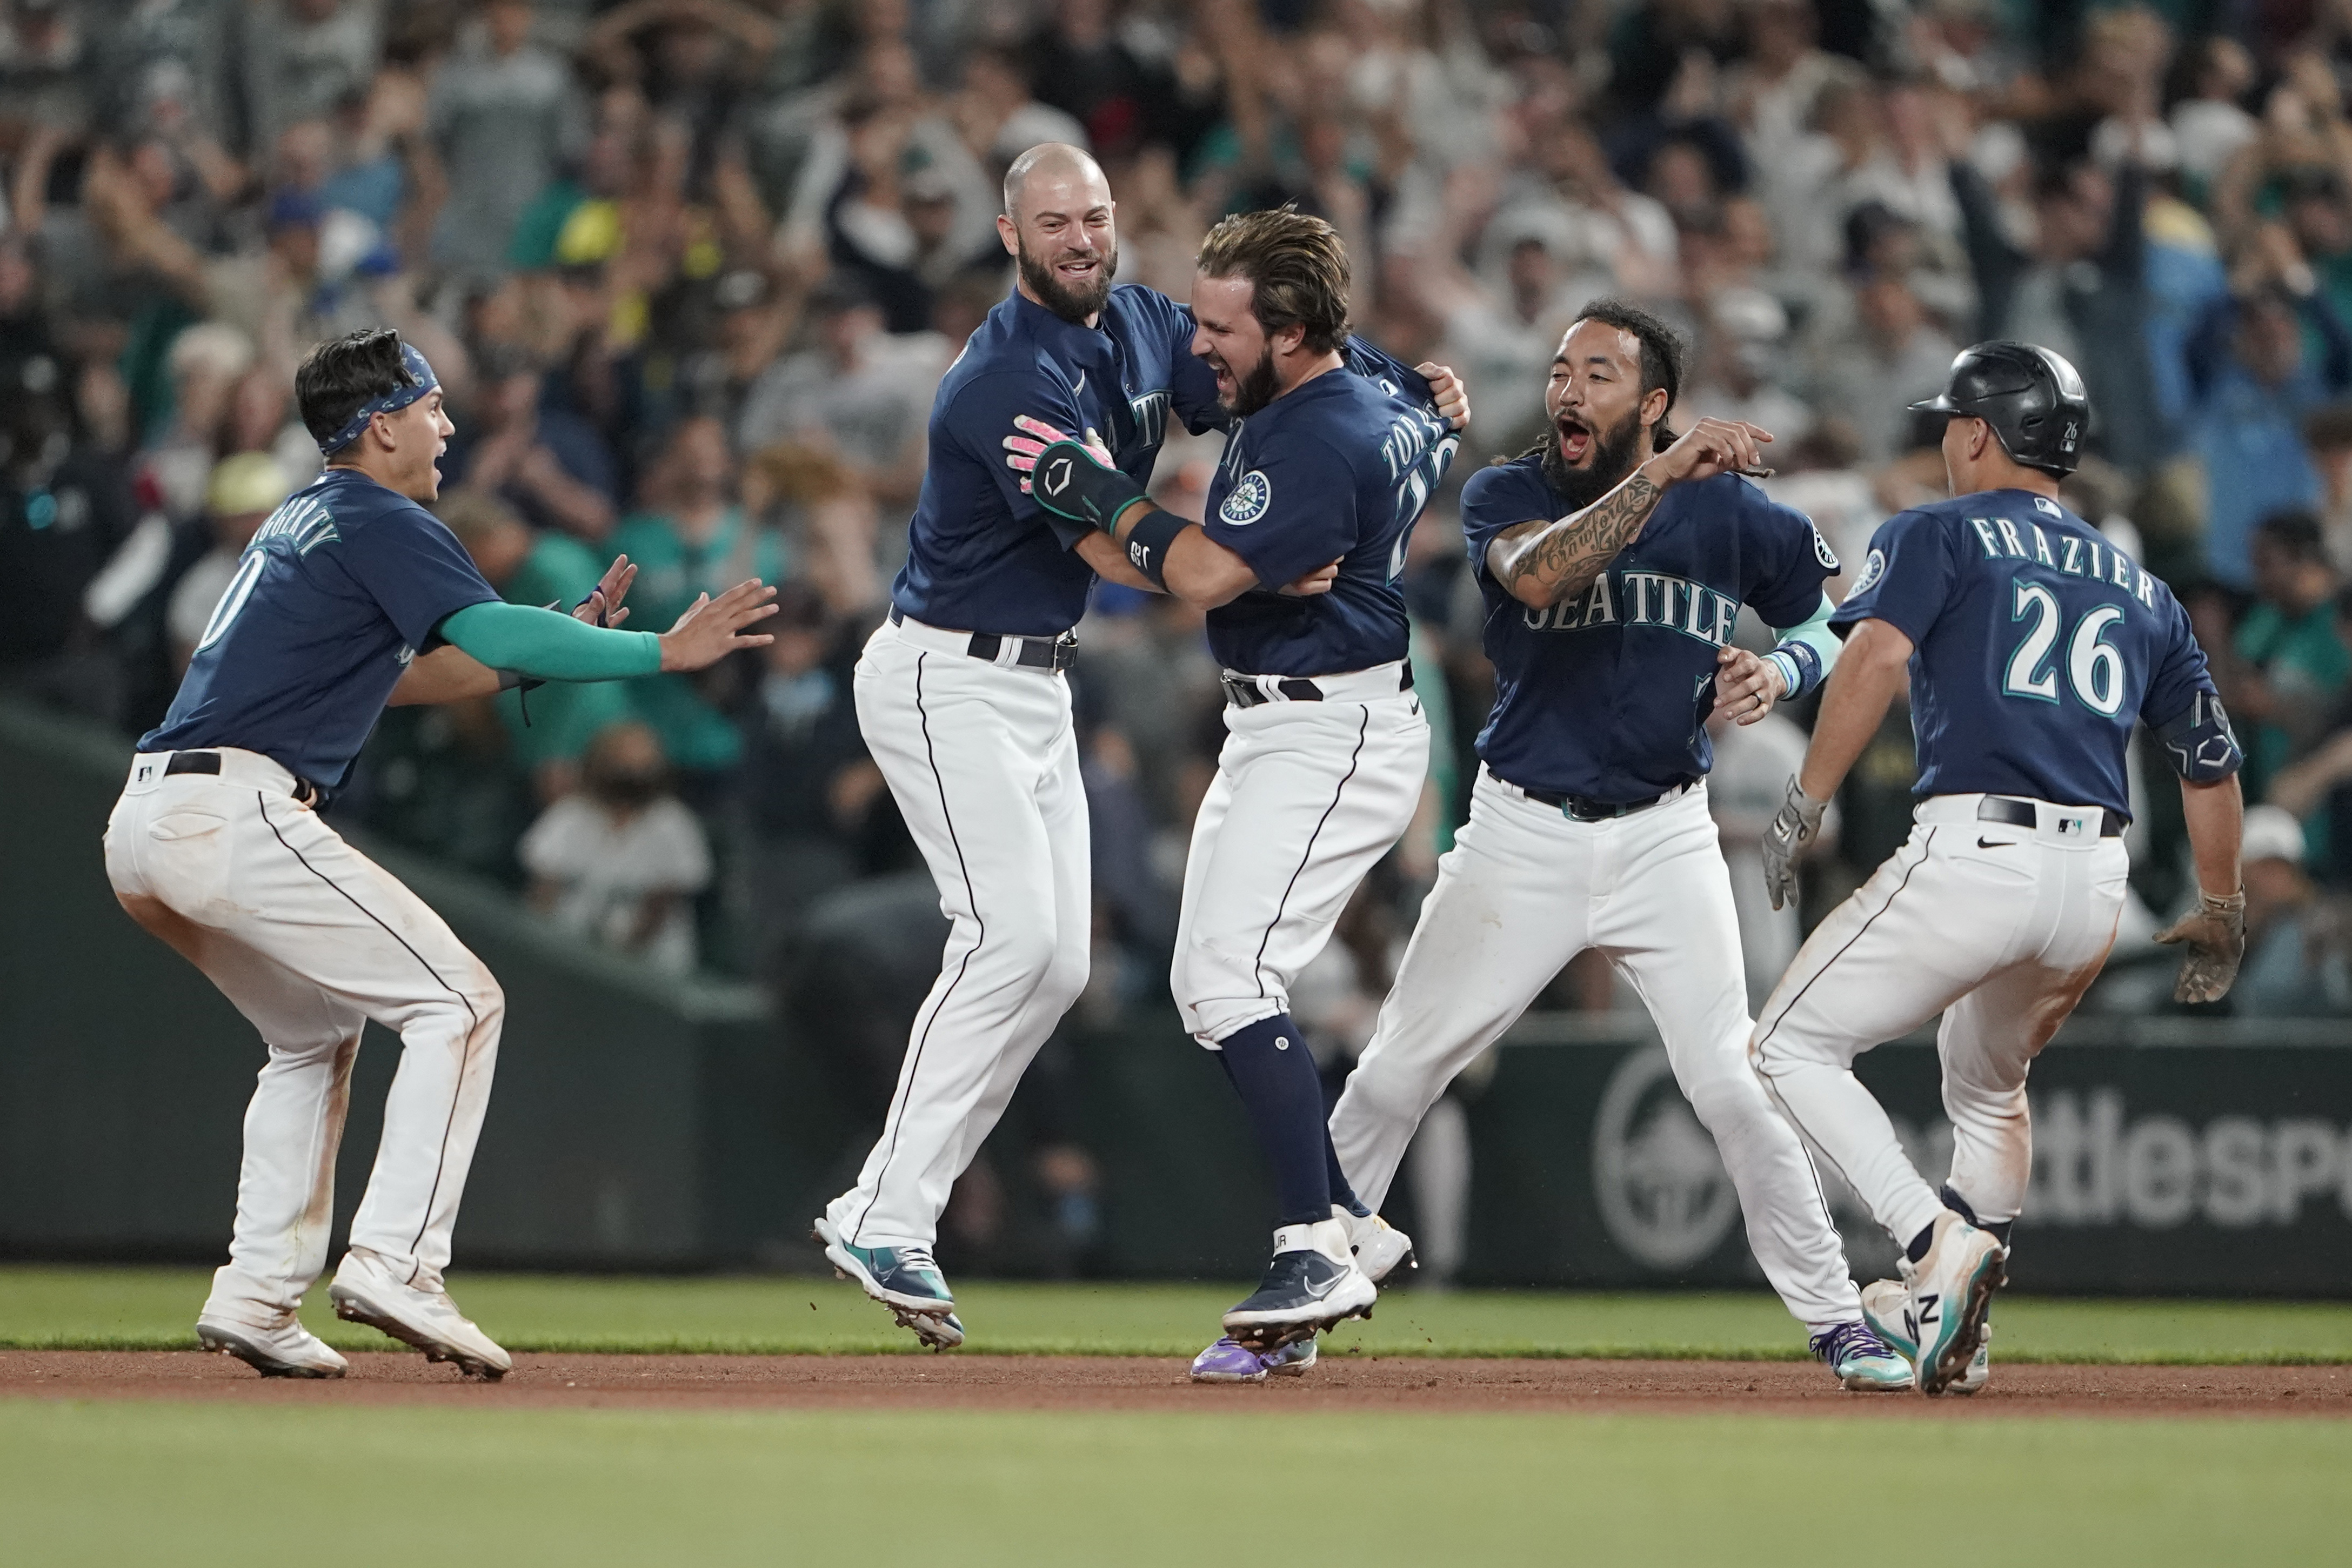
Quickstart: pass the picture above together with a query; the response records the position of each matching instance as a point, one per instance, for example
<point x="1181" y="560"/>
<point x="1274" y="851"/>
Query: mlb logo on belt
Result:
<point x="2072" y="827"/>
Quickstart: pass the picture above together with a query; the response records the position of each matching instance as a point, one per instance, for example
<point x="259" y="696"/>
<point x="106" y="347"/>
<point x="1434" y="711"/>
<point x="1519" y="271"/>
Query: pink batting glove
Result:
<point x="1022" y="451"/>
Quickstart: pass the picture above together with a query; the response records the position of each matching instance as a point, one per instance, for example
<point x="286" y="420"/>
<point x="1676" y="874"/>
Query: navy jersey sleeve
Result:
<point x="981" y="416"/>
<point x="1496" y="498"/>
<point x="1790" y="562"/>
<point x="2184" y="709"/>
<point x="1294" y="512"/>
<point x="1905" y="580"/>
<point x="414" y="569"/>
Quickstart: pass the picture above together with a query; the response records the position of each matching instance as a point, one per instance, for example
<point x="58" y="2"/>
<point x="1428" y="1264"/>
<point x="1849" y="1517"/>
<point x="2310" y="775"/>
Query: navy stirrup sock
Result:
<point x="1342" y="1193"/>
<point x="1997" y="1230"/>
<point x="1274" y="1074"/>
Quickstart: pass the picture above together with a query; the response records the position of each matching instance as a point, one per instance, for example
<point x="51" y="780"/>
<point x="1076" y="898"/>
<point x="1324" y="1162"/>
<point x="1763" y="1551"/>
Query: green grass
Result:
<point x="111" y="1308"/>
<point x="112" y="1484"/>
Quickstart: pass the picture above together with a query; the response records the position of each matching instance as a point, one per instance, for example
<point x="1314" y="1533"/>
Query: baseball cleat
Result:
<point x="1864" y="1362"/>
<point x="1229" y="1362"/>
<point x="1380" y="1249"/>
<point x="1887" y="1308"/>
<point x="1312" y="1283"/>
<point x="366" y="1292"/>
<point x="1951" y="1290"/>
<point x="903" y="1278"/>
<point x="285" y="1349"/>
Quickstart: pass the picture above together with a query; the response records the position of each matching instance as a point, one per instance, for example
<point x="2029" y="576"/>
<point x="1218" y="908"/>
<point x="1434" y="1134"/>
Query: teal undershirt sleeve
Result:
<point x="549" y="644"/>
<point x="1816" y="635"/>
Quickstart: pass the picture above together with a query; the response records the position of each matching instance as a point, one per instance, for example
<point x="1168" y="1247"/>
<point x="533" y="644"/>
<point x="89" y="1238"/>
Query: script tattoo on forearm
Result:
<point x="1563" y="557"/>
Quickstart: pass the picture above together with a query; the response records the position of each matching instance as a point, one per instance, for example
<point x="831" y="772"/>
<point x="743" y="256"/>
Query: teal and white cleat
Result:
<point x="1951" y="1291"/>
<point x="1863" y="1362"/>
<point x="903" y="1278"/>
<point x="1887" y="1308"/>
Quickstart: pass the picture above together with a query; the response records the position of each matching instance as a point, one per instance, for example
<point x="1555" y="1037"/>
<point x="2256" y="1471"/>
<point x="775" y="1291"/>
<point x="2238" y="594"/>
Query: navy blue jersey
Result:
<point x="2039" y="646"/>
<point x="1337" y="469"/>
<point x="983" y="556"/>
<point x="1607" y="695"/>
<point x="340" y="589"/>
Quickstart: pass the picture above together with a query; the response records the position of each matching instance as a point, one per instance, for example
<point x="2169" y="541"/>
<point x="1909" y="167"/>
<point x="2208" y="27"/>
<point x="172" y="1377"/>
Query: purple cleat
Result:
<point x="1227" y="1362"/>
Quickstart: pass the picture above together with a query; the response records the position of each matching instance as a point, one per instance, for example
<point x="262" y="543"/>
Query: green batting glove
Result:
<point x="1071" y="481"/>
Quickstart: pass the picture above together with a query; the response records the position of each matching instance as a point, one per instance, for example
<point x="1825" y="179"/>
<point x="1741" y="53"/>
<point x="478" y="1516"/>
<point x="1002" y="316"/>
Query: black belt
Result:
<point x="1586" y="808"/>
<point x="305" y="792"/>
<point x="1037" y="653"/>
<point x="1244" y="692"/>
<point x="2021" y="814"/>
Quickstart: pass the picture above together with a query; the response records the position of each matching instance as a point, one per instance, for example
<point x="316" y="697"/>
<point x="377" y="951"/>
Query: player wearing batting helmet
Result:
<point x="2032" y="648"/>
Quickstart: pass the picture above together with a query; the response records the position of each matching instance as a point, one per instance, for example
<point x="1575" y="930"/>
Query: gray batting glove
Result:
<point x="2215" y="933"/>
<point x="1795" y="825"/>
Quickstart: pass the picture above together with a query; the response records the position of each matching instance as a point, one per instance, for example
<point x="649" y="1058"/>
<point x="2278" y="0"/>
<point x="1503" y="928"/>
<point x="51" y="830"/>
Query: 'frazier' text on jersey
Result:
<point x="2038" y="645"/>
<point x="338" y="590"/>
<point x="1606" y="694"/>
<point x="1336" y="469"/>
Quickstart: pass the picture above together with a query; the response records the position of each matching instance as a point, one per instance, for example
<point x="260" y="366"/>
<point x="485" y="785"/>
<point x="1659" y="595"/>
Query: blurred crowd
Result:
<point x="691" y="269"/>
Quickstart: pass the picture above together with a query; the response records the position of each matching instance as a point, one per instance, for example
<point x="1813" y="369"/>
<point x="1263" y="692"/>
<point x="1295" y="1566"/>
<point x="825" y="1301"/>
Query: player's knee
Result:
<point x="1723" y="1097"/>
<point x="1065" y="975"/>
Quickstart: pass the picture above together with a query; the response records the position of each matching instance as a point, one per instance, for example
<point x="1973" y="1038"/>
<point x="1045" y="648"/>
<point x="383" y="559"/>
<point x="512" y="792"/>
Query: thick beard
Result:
<point x="1255" y="390"/>
<point x="1071" y="305"/>
<point x="1613" y="457"/>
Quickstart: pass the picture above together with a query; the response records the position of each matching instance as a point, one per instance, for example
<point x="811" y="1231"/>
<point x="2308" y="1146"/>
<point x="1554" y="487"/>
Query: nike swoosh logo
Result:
<point x="1329" y="1286"/>
<point x="1994" y="844"/>
<point x="1079" y="385"/>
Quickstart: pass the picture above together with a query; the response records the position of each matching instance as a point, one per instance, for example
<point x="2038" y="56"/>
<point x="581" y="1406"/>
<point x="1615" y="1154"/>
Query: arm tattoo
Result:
<point x="1562" y="558"/>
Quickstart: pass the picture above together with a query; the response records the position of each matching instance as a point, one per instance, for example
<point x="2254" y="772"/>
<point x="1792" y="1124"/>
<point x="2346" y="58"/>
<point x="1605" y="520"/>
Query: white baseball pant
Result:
<point x="983" y="762"/>
<point x="1308" y="796"/>
<point x="2001" y="928"/>
<point x="309" y="939"/>
<point x="1525" y="889"/>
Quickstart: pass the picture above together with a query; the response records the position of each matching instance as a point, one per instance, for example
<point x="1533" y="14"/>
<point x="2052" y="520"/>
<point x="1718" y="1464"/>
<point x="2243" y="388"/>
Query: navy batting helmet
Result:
<point x="2032" y="398"/>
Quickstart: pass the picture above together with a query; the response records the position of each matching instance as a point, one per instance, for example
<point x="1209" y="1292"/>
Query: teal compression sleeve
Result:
<point x="550" y="644"/>
<point x="1806" y="653"/>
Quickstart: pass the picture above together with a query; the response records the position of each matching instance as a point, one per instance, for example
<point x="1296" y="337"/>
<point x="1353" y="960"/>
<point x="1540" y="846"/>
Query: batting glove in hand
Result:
<point x="1021" y="451"/>
<point x="2215" y="934"/>
<point x="1070" y="481"/>
<point x="1795" y="825"/>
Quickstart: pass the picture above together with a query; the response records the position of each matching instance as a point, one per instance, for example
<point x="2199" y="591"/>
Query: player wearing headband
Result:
<point x="351" y="595"/>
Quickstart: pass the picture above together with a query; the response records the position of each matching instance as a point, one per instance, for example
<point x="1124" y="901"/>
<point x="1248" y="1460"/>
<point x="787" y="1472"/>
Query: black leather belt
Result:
<point x="1585" y="808"/>
<point x="2021" y="814"/>
<point x="305" y="792"/>
<point x="1297" y="688"/>
<point x="1036" y="653"/>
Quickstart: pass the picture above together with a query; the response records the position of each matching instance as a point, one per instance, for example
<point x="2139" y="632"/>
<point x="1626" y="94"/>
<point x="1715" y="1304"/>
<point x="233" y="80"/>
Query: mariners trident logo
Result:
<point x="1251" y="496"/>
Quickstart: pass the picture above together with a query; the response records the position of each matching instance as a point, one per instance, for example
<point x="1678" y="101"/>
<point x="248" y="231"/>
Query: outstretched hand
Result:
<point x="1714" y="447"/>
<point x="603" y="606"/>
<point x="1022" y="451"/>
<point x="713" y="628"/>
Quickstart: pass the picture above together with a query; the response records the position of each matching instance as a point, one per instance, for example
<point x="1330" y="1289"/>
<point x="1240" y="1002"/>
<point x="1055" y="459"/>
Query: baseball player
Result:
<point x="962" y="701"/>
<point x="2032" y="647"/>
<point x="1326" y="745"/>
<point x="344" y="599"/>
<point x="1614" y="558"/>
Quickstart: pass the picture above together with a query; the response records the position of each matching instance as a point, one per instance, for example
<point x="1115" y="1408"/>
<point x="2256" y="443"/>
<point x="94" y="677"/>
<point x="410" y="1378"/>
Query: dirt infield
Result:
<point x="1105" y="1383"/>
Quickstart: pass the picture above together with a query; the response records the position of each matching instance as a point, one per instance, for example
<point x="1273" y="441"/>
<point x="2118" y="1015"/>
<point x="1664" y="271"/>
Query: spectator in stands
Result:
<point x="619" y="859"/>
<point x="1896" y="357"/>
<point x="548" y="464"/>
<point x="862" y="393"/>
<point x="505" y="115"/>
<point x="2258" y="383"/>
<point x="297" y="59"/>
<point x="689" y="536"/>
<point x="2292" y="663"/>
<point x="2295" y="964"/>
<point x="807" y="785"/>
